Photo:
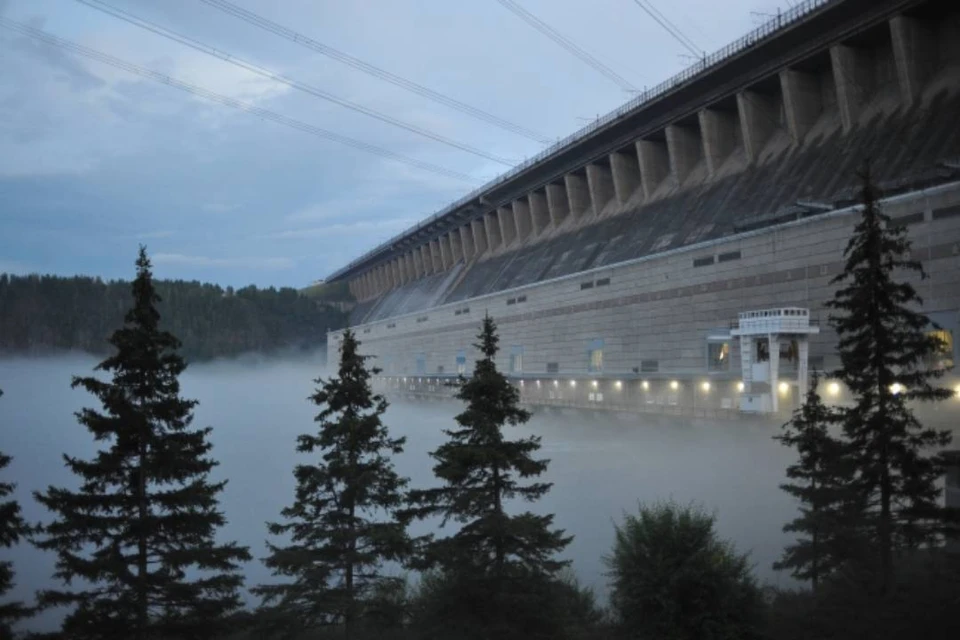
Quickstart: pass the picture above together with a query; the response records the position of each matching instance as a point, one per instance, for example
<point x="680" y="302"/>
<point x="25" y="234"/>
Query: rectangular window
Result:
<point x="586" y="285"/>
<point x="595" y="356"/>
<point x="366" y="330"/>
<point x="553" y="367"/>
<point x="718" y="356"/>
<point x="703" y="262"/>
<point x="392" y="325"/>
<point x="423" y="318"/>
<point x="466" y="309"/>
<point x="458" y="312"/>
<point x="521" y="299"/>
<point x="439" y="368"/>
<point x="649" y="366"/>
<point x="907" y="220"/>
<point x="461" y="363"/>
<point x="942" y="358"/>
<point x="948" y="212"/>
<point x="511" y="301"/>
<point x="603" y="282"/>
<point x="421" y="363"/>
<point x="727" y="257"/>
<point x="516" y="359"/>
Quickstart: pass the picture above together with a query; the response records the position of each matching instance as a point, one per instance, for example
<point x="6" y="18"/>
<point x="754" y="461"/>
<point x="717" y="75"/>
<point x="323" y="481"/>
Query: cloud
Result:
<point x="180" y="259"/>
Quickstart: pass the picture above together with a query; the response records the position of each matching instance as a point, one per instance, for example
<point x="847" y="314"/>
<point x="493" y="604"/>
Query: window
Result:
<point x="942" y="358"/>
<point x="392" y="325"/>
<point x="366" y="330"/>
<point x="458" y="312"/>
<point x="439" y="368"/>
<point x="511" y="301"/>
<point x="595" y="357"/>
<point x="907" y="220"/>
<point x="423" y="318"/>
<point x="521" y="299"/>
<point x="603" y="282"/>
<point x="727" y="257"/>
<point x="516" y="359"/>
<point x="553" y="367"/>
<point x="586" y="285"/>
<point x="703" y="262"/>
<point x="949" y="212"/>
<point x="649" y="366"/>
<point x="718" y="356"/>
<point x="421" y="363"/>
<point x="466" y="309"/>
<point x="461" y="363"/>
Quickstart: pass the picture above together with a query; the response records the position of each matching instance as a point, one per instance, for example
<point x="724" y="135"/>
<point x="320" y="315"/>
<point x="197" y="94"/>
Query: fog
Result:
<point x="601" y="465"/>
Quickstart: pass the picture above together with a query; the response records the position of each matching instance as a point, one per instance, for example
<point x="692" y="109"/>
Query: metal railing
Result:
<point x="751" y="39"/>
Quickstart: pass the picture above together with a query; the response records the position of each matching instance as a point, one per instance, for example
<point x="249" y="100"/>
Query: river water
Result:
<point x="601" y="465"/>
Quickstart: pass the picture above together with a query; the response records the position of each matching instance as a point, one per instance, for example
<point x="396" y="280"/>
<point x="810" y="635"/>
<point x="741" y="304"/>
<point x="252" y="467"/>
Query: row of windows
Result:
<point x="461" y="311"/>
<point x="517" y="300"/>
<point x="590" y="284"/>
<point x="723" y="257"/>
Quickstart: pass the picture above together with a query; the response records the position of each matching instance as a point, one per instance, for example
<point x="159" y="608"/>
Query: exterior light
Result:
<point x="556" y="383"/>
<point x="538" y="383"/>
<point x="645" y="385"/>
<point x="521" y="383"/>
<point x="594" y="383"/>
<point x="833" y="389"/>
<point x="784" y="388"/>
<point x="705" y="386"/>
<point x="573" y="383"/>
<point x="618" y="385"/>
<point x="741" y="387"/>
<point x="674" y="385"/>
<point x="896" y="388"/>
<point x="956" y="390"/>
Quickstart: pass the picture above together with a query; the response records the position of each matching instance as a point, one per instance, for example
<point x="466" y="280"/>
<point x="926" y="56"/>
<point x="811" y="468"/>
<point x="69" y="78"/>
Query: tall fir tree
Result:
<point x="481" y="471"/>
<point x="145" y="515"/>
<point x="822" y="481"/>
<point x="885" y="347"/>
<point x="344" y="523"/>
<point x="13" y="528"/>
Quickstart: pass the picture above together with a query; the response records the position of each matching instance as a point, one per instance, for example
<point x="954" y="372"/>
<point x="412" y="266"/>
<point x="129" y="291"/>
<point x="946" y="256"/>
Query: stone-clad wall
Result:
<point x="663" y="307"/>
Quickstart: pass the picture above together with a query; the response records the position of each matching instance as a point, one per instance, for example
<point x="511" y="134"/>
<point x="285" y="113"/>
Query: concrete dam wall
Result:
<point x="615" y="265"/>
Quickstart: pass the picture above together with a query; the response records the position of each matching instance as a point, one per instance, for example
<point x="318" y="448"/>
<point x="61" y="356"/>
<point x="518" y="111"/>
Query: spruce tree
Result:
<point x="13" y="528"/>
<point x="137" y="540"/>
<point x="343" y="523"/>
<point x="884" y="345"/>
<point x="822" y="481"/>
<point x="493" y="552"/>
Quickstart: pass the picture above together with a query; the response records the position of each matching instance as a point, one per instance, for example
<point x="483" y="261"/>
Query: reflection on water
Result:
<point x="601" y="464"/>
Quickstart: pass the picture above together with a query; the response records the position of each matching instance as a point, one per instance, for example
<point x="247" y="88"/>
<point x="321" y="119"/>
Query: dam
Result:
<point x="675" y="256"/>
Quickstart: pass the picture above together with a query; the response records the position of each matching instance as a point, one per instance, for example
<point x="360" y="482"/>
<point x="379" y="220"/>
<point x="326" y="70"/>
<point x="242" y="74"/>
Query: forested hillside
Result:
<point x="48" y="313"/>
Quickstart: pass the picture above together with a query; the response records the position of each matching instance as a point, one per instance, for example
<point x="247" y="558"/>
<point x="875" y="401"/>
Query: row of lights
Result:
<point x="833" y="388"/>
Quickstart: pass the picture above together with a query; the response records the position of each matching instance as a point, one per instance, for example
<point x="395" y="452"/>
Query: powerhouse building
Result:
<point x="677" y="254"/>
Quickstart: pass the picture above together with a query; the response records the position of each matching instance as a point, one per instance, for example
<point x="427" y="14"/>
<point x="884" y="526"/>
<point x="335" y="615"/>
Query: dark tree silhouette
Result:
<point x="822" y="481"/>
<point x="884" y="347"/>
<point x="494" y="552"/>
<point x="13" y="528"/>
<point x="343" y="523"/>
<point x="146" y="513"/>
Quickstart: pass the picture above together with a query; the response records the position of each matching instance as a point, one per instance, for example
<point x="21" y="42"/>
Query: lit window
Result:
<point x="516" y="360"/>
<point x="461" y="363"/>
<point x="942" y="357"/>
<point x="718" y="356"/>
<point x="595" y="357"/>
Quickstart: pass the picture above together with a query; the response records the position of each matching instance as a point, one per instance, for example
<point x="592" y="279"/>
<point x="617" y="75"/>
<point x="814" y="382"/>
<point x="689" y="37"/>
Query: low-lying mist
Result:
<point x="601" y="465"/>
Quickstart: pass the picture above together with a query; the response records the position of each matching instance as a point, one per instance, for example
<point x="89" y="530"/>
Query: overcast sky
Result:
<point x="94" y="160"/>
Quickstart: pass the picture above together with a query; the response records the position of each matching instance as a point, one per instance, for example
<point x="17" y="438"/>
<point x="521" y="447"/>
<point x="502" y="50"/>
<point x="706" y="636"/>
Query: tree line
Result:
<point x="138" y="556"/>
<point x="51" y="313"/>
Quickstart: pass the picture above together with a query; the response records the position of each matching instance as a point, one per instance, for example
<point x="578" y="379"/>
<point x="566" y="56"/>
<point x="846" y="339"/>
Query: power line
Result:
<point x="670" y="28"/>
<point x="326" y="50"/>
<point x="196" y="90"/>
<point x="564" y="42"/>
<point x="314" y="91"/>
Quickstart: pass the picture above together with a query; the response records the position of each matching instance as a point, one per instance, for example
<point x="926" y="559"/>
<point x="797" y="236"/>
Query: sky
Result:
<point x="95" y="160"/>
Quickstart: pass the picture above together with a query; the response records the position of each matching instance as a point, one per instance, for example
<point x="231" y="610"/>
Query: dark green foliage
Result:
<point x="923" y="603"/>
<point x="46" y="313"/>
<point x="673" y="578"/>
<point x="12" y="529"/>
<point x="884" y="342"/>
<point x="342" y="523"/>
<point x="526" y="604"/>
<point x="822" y="480"/>
<point x="145" y="515"/>
<point x="481" y="470"/>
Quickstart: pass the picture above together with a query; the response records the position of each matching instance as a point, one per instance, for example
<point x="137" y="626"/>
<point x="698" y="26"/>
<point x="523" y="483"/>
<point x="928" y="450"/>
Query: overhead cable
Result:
<point x="564" y="42"/>
<point x="670" y="28"/>
<point x="326" y="50"/>
<point x="300" y="86"/>
<point x="196" y="90"/>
